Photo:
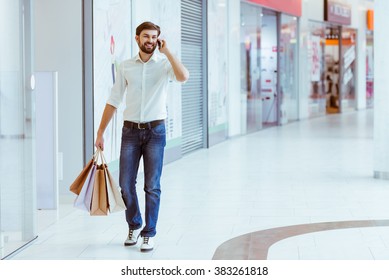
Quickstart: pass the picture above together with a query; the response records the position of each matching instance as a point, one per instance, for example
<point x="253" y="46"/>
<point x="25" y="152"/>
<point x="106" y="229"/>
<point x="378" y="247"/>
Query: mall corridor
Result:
<point x="308" y="172"/>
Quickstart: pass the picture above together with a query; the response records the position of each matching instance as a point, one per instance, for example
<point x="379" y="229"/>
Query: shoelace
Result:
<point x="130" y="234"/>
<point x="146" y="240"/>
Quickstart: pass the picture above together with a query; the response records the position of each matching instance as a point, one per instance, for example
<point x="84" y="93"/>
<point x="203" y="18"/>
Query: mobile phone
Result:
<point x="159" y="43"/>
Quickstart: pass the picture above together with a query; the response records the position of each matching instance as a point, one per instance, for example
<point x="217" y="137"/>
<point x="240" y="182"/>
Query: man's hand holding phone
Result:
<point x="162" y="47"/>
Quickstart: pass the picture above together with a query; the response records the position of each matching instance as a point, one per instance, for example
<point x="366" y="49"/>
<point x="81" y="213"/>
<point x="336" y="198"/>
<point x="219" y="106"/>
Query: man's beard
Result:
<point x="146" y="50"/>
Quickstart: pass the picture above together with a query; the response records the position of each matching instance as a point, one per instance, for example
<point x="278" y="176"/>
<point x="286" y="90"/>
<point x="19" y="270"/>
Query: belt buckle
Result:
<point x="139" y="127"/>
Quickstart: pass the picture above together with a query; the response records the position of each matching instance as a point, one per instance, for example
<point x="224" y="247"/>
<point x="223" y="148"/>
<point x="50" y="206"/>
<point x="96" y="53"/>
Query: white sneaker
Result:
<point x="147" y="244"/>
<point x="132" y="238"/>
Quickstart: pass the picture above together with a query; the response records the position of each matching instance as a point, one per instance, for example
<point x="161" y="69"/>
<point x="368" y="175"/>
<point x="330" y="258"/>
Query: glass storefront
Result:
<point x="250" y="58"/>
<point x="316" y="69"/>
<point x="269" y="61"/>
<point x="269" y="68"/>
<point x="17" y="126"/>
<point x="332" y="68"/>
<point x="332" y="74"/>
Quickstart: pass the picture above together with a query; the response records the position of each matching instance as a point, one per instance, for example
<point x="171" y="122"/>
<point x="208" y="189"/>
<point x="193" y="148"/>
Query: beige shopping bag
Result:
<point x="84" y="199"/>
<point x="80" y="180"/>
<point x="115" y="199"/>
<point x="99" y="205"/>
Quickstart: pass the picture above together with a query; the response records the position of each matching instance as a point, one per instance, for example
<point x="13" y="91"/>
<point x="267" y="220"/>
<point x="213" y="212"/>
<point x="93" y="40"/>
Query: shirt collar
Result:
<point x="154" y="57"/>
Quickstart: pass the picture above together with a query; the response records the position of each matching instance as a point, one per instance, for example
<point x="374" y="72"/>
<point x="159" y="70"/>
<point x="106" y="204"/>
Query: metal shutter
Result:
<point x="192" y="92"/>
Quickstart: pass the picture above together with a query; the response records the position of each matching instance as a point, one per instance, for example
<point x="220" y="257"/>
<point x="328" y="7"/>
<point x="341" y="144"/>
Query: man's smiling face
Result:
<point x="147" y="40"/>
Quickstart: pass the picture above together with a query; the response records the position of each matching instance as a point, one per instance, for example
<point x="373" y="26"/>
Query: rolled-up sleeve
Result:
<point x="170" y="73"/>
<point x="118" y="89"/>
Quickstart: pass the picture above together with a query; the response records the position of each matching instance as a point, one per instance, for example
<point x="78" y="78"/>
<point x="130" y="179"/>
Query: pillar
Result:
<point x="381" y="90"/>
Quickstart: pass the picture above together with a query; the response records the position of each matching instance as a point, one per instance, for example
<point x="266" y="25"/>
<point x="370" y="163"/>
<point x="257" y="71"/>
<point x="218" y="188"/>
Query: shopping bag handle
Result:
<point x="100" y="153"/>
<point x="95" y="155"/>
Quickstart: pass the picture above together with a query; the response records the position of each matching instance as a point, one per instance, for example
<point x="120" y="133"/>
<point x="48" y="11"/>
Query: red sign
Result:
<point x="292" y="7"/>
<point x="337" y="12"/>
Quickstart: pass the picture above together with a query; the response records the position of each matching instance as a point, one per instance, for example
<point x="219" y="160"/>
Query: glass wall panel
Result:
<point x="269" y="68"/>
<point x="217" y="71"/>
<point x="288" y="70"/>
<point x="316" y="69"/>
<point x="250" y="57"/>
<point x="17" y="118"/>
<point x="349" y="57"/>
<point x="369" y="69"/>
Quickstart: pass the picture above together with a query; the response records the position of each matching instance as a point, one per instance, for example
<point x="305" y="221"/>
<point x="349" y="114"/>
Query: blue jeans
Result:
<point x="149" y="143"/>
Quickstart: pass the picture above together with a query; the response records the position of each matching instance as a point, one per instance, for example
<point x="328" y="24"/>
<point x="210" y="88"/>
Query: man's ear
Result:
<point x="137" y="38"/>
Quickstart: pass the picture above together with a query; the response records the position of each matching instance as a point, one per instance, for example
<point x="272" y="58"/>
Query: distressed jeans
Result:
<point x="149" y="144"/>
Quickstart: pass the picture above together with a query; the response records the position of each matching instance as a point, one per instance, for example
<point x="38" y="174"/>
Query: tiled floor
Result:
<point x="306" y="240"/>
<point x="361" y="244"/>
<point x="312" y="171"/>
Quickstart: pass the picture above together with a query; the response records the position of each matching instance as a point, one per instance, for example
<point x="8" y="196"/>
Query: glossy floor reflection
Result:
<point x="312" y="171"/>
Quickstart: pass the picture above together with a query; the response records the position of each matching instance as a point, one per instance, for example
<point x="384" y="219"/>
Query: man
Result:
<point x="144" y="78"/>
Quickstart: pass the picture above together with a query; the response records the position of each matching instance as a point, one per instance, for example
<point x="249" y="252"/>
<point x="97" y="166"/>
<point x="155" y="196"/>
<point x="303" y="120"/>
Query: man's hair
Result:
<point x="148" y="26"/>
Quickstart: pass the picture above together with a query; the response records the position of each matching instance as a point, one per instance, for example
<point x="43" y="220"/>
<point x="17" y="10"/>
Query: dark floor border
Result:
<point x="255" y="245"/>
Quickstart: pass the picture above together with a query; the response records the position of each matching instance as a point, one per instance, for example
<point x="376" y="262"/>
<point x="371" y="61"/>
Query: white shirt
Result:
<point x="146" y="86"/>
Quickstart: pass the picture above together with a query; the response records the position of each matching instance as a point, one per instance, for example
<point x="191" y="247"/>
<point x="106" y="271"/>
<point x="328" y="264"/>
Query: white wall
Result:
<point x="313" y="9"/>
<point x="58" y="47"/>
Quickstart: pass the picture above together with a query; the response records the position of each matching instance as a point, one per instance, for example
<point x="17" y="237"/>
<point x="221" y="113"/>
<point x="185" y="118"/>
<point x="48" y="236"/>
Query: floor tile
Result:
<point x="312" y="171"/>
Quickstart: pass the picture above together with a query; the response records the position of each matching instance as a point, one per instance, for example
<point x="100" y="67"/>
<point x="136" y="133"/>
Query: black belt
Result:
<point x="147" y="125"/>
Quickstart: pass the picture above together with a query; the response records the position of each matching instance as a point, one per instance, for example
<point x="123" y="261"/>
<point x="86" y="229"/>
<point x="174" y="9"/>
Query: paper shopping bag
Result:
<point x="80" y="180"/>
<point x="115" y="199"/>
<point x="99" y="205"/>
<point x="84" y="199"/>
